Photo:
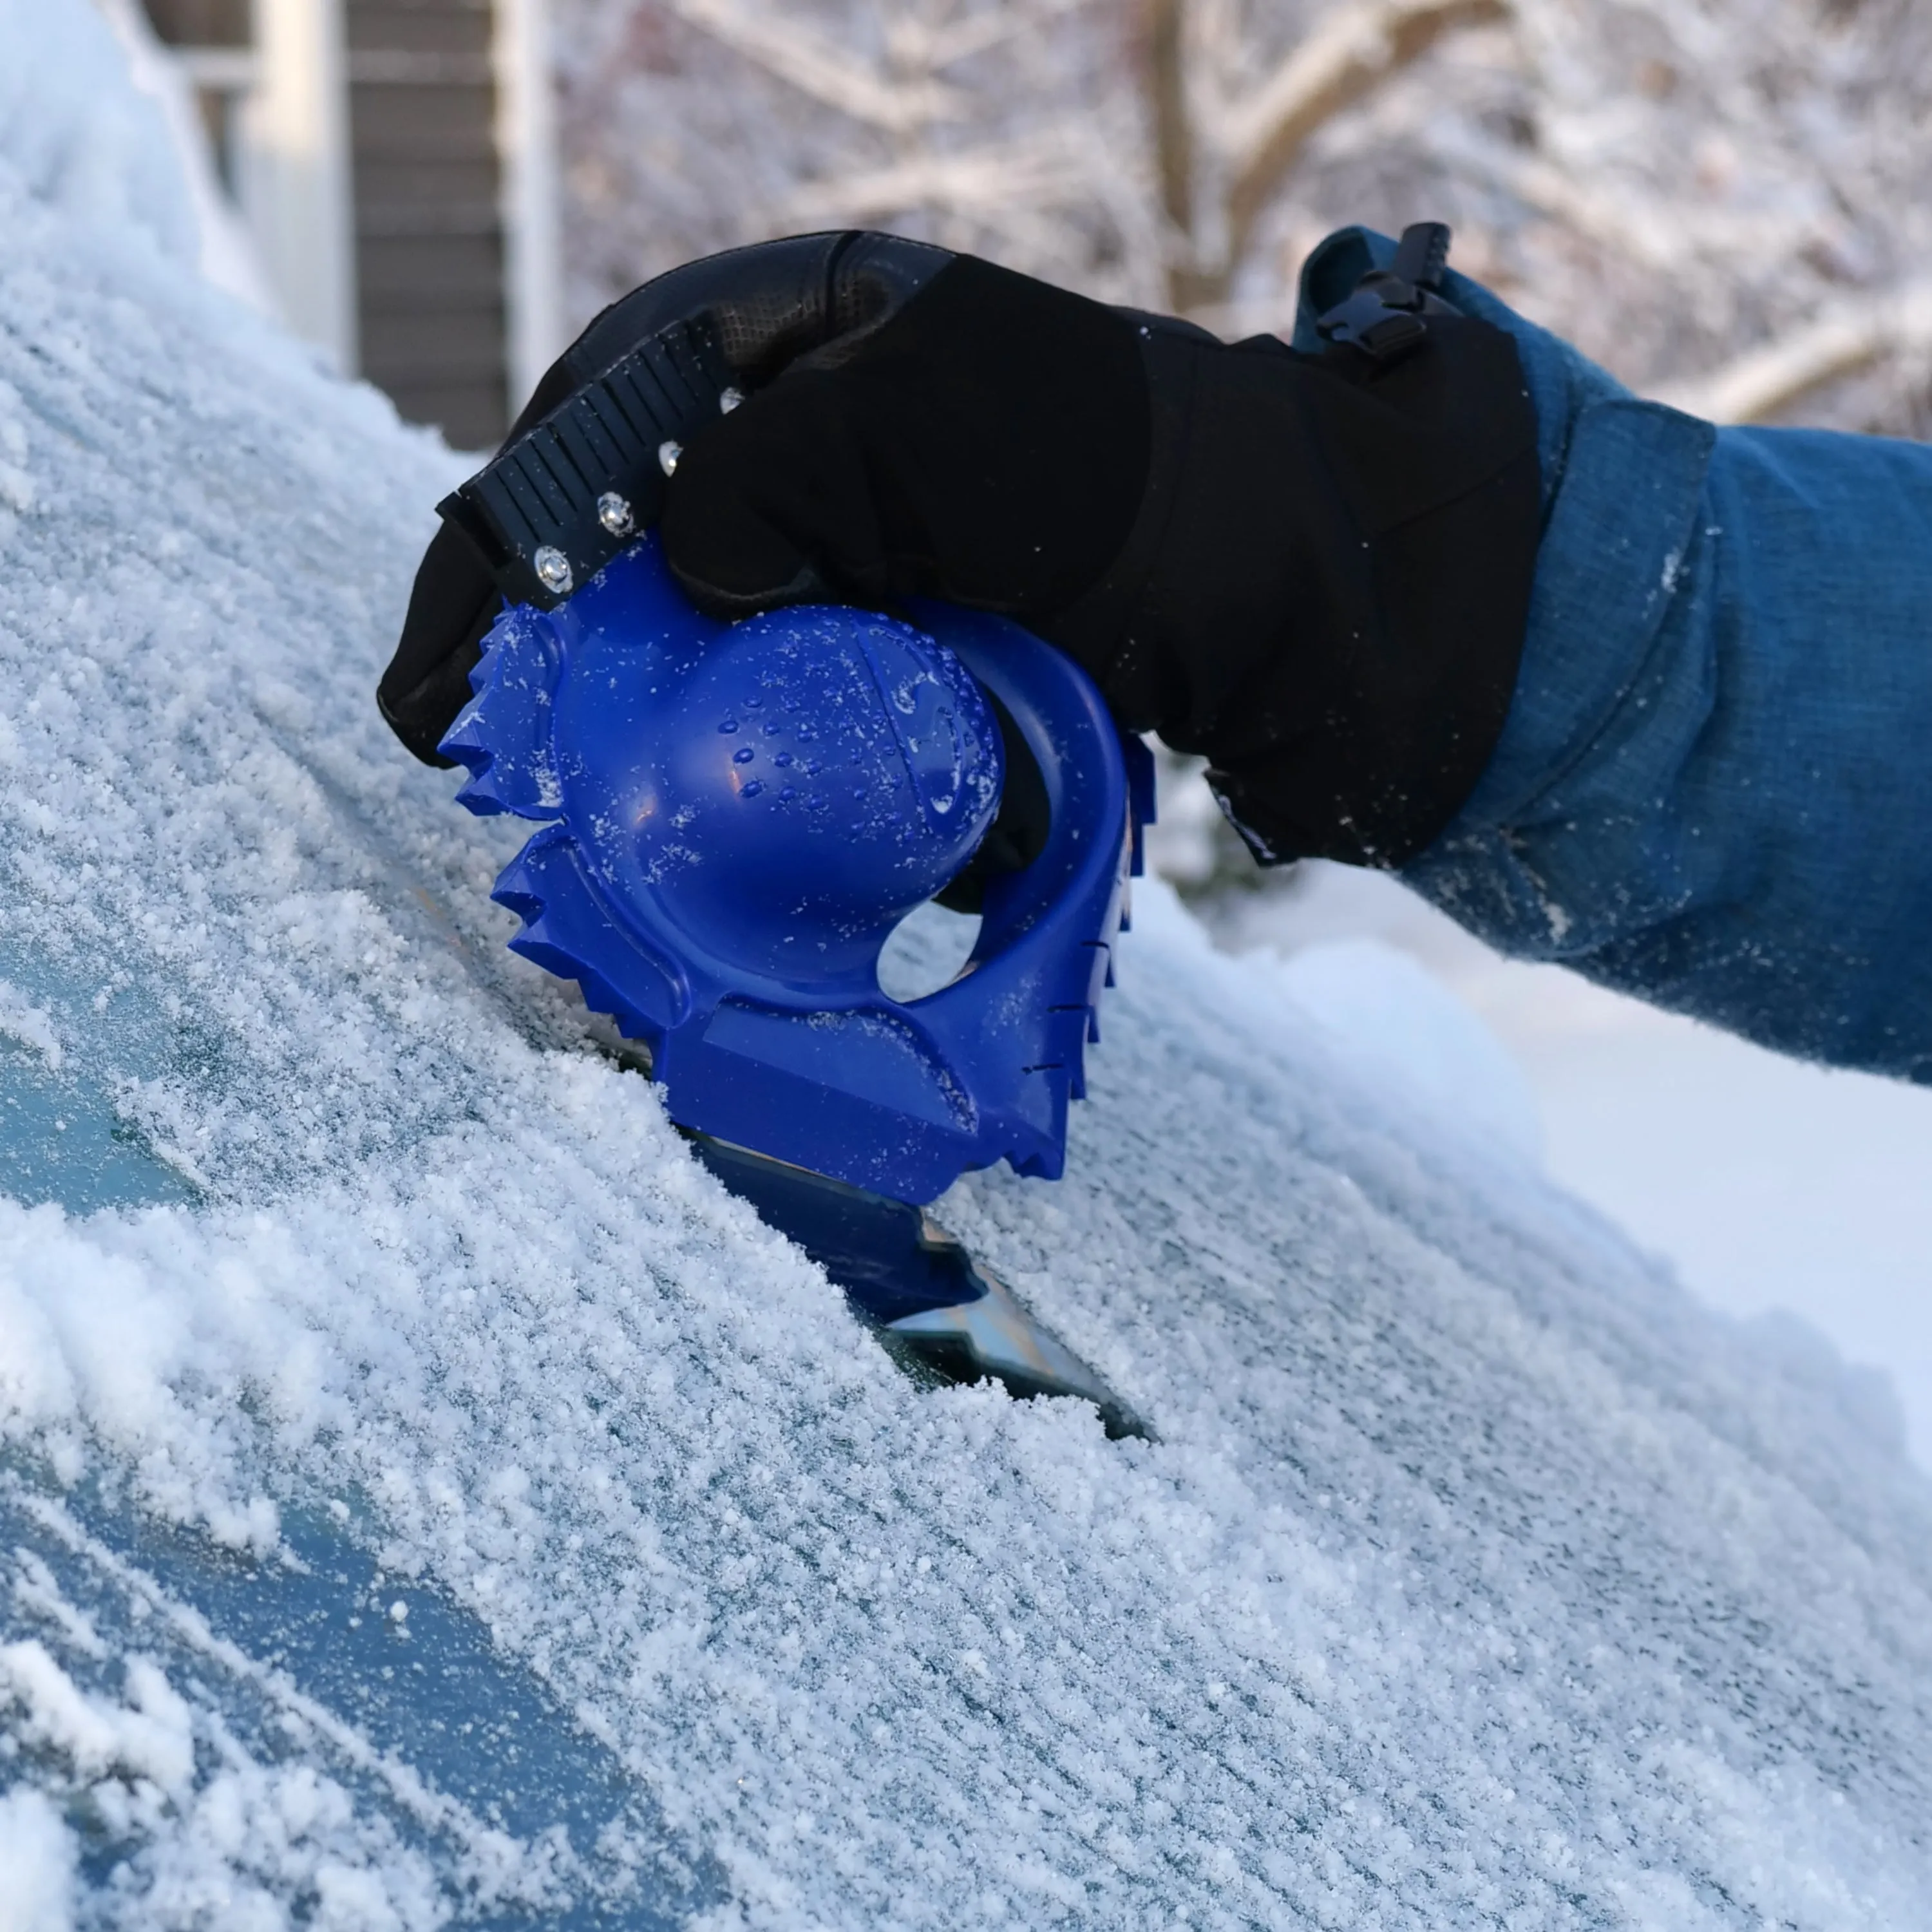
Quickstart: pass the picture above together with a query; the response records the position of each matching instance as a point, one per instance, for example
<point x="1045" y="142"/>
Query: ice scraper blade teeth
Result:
<point x="936" y="1310"/>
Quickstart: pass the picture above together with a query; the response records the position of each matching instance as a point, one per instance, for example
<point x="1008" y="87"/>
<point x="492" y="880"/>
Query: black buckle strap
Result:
<point x="556" y="505"/>
<point x="1386" y="316"/>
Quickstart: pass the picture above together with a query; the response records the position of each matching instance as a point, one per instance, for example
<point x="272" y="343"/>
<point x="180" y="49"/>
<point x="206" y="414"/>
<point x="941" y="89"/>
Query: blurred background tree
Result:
<point x="1723" y="199"/>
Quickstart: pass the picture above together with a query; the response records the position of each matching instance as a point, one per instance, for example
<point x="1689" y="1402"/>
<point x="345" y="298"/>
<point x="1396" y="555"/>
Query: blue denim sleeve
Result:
<point x="1715" y="787"/>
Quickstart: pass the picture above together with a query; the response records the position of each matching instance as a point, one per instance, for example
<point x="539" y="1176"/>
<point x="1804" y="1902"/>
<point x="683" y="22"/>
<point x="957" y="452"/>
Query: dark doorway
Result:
<point x="429" y="225"/>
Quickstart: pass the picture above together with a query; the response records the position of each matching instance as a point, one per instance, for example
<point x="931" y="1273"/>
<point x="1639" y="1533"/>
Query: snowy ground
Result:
<point x="427" y="1497"/>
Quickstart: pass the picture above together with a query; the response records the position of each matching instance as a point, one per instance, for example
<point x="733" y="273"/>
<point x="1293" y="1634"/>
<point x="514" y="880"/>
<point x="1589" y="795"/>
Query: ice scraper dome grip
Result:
<point x="737" y="815"/>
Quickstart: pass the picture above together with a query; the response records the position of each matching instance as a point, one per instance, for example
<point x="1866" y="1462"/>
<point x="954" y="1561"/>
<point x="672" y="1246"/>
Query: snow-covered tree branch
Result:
<point x="1766" y="383"/>
<point x="1349" y="52"/>
<point x="792" y="52"/>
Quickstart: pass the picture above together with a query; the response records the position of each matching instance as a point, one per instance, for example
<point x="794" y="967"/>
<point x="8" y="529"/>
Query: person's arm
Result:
<point x="1714" y="789"/>
<point x="1612" y="686"/>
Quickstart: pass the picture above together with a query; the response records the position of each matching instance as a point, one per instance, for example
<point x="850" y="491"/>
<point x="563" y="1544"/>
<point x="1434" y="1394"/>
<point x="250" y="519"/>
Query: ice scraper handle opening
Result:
<point x="1312" y="568"/>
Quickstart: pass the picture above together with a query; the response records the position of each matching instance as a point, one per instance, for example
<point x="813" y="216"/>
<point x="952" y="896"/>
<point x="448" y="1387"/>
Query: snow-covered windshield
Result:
<point x="426" y="1495"/>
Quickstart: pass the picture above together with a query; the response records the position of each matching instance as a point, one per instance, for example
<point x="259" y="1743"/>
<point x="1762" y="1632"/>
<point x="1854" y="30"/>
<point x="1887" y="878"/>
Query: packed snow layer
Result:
<point x="427" y="1496"/>
<point x="1768" y="1183"/>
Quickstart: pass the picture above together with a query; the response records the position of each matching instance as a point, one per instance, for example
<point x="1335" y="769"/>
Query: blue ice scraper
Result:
<point x="734" y="817"/>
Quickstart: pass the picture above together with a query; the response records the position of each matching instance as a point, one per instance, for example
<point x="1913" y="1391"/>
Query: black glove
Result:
<point x="1314" y="570"/>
